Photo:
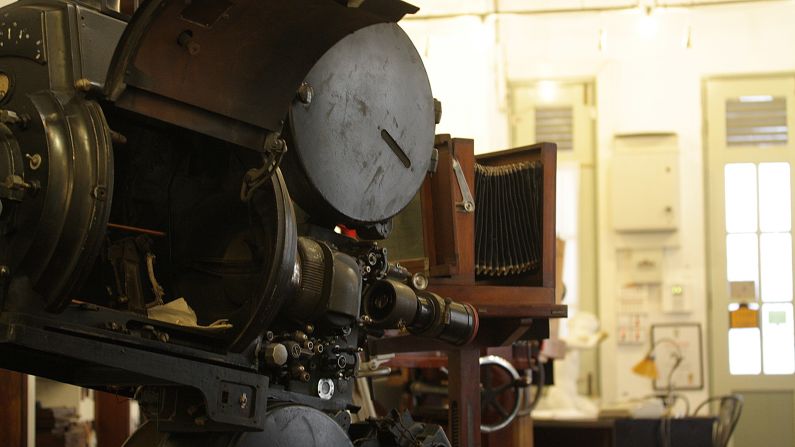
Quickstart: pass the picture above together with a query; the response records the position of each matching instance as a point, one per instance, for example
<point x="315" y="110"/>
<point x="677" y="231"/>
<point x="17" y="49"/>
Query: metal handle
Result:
<point x="468" y="203"/>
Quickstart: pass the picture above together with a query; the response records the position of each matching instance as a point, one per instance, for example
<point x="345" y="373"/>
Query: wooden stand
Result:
<point x="111" y="418"/>
<point x="13" y="409"/>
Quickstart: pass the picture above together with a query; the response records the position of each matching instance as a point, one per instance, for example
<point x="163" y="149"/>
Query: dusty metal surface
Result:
<point x="364" y="142"/>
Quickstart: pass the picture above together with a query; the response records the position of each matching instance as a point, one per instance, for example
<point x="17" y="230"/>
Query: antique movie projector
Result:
<point x="170" y="186"/>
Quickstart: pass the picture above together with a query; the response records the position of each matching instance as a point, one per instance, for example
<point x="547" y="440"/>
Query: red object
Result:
<point x="345" y="231"/>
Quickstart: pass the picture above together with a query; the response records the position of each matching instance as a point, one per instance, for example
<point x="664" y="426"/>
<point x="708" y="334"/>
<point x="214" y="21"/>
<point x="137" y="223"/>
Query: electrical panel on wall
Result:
<point x="644" y="183"/>
<point x="640" y="266"/>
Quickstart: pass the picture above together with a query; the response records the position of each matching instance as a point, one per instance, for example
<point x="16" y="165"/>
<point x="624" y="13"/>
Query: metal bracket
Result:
<point x="373" y="368"/>
<point x="272" y="153"/>
<point x="468" y="204"/>
<point x="434" y="161"/>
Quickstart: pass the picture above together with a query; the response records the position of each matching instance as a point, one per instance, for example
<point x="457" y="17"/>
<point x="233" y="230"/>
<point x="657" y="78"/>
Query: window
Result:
<point x="759" y="250"/>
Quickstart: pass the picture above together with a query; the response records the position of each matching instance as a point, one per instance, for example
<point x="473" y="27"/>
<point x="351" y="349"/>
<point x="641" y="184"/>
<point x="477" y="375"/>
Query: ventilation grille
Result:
<point x="555" y="125"/>
<point x="756" y="121"/>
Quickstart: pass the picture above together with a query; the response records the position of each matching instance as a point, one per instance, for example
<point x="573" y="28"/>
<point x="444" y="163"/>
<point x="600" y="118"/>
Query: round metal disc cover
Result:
<point x="295" y="425"/>
<point x="364" y="137"/>
<point x="287" y="426"/>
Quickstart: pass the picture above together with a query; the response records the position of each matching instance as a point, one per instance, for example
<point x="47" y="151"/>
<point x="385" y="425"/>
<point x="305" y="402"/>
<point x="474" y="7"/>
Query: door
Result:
<point x="564" y="112"/>
<point x="749" y="157"/>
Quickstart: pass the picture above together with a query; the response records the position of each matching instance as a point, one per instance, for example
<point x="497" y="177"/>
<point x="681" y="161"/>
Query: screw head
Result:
<point x="305" y="93"/>
<point x="100" y="192"/>
<point x="34" y="161"/>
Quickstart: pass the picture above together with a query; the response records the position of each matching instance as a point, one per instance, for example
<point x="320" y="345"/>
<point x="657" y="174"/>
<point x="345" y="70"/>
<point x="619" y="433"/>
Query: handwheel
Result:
<point x="501" y="393"/>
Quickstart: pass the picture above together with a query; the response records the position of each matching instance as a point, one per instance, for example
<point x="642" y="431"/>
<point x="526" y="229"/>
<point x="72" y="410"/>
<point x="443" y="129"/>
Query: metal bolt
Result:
<point x="299" y="336"/>
<point x="275" y="354"/>
<point x="34" y="161"/>
<point x="185" y="40"/>
<point x="305" y="93"/>
<point x="309" y="329"/>
<point x="243" y="400"/>
<point x="163" y="337"/>
<point x="3" y="271"/>
<point x="100" y="192"/>
<point x="83" y="85"/>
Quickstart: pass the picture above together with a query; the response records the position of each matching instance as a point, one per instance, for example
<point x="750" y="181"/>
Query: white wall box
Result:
<point x="645" y="183"/>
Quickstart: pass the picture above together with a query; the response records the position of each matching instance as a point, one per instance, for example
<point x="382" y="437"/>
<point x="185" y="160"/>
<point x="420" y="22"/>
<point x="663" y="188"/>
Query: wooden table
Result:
<point x="685" y="432"/>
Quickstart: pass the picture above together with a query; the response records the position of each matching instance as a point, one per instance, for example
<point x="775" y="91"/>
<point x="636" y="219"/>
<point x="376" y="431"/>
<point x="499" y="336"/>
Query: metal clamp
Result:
<point x="468" y="203"/>
<point x="273" y="151"/>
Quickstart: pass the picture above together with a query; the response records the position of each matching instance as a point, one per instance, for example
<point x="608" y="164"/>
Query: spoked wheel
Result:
<point x="500" y="394"/>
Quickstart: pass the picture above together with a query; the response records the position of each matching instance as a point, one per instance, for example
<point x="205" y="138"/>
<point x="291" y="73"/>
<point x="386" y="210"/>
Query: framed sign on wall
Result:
<point x="689" y="375"/>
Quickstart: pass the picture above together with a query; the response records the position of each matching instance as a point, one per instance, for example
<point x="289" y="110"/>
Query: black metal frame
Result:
<point x="77" y="347"/>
